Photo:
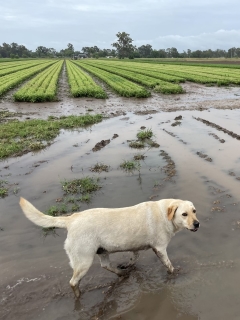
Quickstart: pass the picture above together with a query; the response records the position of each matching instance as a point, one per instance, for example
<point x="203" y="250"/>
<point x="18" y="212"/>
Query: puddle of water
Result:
<point x="206" y="286"/>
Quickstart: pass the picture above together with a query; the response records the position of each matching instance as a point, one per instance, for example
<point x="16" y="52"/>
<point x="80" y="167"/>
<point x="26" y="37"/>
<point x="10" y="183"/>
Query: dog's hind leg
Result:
<point x="134" y="259"/>
<point x="106" y="264"/>
<point x="79" y="271"/>
<point x="131" y="262"/>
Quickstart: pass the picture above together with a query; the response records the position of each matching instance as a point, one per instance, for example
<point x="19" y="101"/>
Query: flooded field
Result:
<point x="198" y="159"/>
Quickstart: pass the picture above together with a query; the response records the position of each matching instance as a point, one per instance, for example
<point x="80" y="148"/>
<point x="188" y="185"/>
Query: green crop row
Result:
<point x="6" y="65"/>
<point x="11" y="80"/>
<point x="162" y="86"/>
<point x="81" y="84"/>
<point x="19" y="67"/>
<point x="175" y="72"/>
<point x="225" y="73"/>
<point x="189" y="76"/>
<point x="142" y="70"/>
<point x="170" y="61"/>
<point x="213" y="77"/>
<point x="43" y="87"/>
<point x="194" y="74"/>
<point x="121" y="85"/>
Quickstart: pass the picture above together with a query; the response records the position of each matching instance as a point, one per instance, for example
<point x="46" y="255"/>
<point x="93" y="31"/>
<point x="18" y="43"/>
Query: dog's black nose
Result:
<point x="196" y="224"/>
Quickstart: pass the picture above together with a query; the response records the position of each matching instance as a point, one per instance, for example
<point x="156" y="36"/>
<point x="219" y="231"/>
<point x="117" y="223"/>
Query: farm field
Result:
<point x="14" y="78"/>
<point x="81" y="84"/>
<point x="47" y="148"/>
<point x="98" y="78"/>
<point x="43" y="87"/>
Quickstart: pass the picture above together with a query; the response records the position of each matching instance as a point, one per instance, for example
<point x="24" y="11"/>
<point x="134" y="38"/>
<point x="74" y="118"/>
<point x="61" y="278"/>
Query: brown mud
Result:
<point x="35" y="274"/>
<point x="197" y="97"/>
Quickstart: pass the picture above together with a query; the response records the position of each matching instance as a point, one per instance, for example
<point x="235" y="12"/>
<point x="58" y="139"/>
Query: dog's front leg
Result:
<point x="162" y="255"/>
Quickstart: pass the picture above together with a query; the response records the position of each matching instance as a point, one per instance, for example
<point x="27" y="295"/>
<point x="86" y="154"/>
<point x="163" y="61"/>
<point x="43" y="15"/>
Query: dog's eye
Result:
<point x="194" y="211"/>
<point x="184" y="214"/>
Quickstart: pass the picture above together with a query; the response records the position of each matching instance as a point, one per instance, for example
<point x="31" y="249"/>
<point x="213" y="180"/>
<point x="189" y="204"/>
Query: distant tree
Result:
<point x="124" y="46"/>
<point x="41" y="51"/>
<point x="70" y="47"/>
<point x="183" y="54"/>
<point x="90" y="51"/>
<point x="162" y="53"/>
<point x="155" y="54"/>
<point x="196" y="54"/>
<point x="145" y="51"/>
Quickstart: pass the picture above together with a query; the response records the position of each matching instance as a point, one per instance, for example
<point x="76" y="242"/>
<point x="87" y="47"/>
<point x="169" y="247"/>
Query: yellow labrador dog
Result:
<point x="102" y="231"/>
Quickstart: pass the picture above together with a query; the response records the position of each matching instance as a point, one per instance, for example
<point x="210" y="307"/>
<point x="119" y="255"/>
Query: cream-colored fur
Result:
<point x="103" y="231"/>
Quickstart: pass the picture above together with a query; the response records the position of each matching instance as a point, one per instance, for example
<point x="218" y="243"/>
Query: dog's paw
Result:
<point x="173" y="274"/>
<point x="123" y="266"/>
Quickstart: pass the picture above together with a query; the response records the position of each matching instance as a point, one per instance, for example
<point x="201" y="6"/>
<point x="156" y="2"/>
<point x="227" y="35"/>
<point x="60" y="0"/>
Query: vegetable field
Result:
<point x="81" y="84"/>
<point x="126" y="78"/>
<point x="43" y="87"/>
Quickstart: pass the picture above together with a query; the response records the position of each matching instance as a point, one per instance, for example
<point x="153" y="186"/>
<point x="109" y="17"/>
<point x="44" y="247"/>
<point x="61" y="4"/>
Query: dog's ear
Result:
<point x="171" y="211"/>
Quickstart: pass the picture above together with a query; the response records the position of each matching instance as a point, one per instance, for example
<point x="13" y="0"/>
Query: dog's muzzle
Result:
<point x="196" y="225"/>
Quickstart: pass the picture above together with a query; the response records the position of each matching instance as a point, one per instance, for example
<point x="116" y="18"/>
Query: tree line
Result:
<point x="123" y="48"/>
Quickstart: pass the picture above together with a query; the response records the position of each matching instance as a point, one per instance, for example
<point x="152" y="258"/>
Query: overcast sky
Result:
<point x="184" y="24"/>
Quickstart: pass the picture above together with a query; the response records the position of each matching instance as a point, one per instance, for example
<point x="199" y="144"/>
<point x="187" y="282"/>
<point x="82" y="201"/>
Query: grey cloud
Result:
<point x="163" y="23"/>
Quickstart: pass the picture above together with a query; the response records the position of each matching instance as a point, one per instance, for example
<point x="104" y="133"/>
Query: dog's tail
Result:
<point x="40" y="218"/>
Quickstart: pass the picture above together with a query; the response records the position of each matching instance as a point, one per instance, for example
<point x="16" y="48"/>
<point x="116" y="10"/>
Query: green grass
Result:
<point x="19" y="137"/>
<point x="145" y="134"/>
<point x="80" y="191"/>
<point x="85" y="198"/>
<point x="3" y="192"/>
<point x="3" y="189"/>
<point x="83" y="186"/>
<point x="130" y="166"/>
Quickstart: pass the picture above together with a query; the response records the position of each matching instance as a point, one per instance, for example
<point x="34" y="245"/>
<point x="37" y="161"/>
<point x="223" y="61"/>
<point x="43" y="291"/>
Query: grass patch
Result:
<point x="83" y="186"/>
<point x="136" y="144"/>
<point x="3" y="192"/>
<point x="144" y="137"/>
<point x="85" y="198"/>
<point x="3" y="189"/>
<point x="80" y="190"/>
<point x="99" y="167"/>
<point x="19" y="137"/>
<point x="130" y="166"/>
<point x="139" y="156"/>
<point x="145" y="134"/>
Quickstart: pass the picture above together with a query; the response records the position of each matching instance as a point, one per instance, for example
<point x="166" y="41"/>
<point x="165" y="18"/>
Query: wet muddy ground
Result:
<point x="35" y="274"/>
<point x="197" y="97"/>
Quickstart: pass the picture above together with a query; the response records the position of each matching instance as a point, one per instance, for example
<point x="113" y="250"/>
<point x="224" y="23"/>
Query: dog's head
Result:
<point x="183" y="215"/>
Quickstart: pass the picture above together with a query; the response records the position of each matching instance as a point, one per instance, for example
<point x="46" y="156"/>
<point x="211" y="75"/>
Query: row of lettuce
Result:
<point x="126" y="79"/>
